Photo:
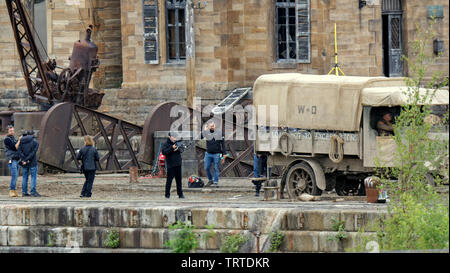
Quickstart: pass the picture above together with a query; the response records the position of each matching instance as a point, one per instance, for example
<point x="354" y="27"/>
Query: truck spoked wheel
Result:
<point x="346" y="187"/>
<point x="301" y="179"/>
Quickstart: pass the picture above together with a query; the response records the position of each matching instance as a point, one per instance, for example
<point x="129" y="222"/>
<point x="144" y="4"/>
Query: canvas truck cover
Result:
<point x="319" y="102"/>
<point x="392" y="96"/>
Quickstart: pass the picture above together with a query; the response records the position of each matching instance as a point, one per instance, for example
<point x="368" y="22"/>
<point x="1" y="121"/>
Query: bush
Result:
<point x="413" y="225"/>
<point x="276" y="238"/>
<point x="417" y="216"/>
<point x="232" y="243"/>
<point x="112" y="239"/>
<point x="185" y="239"/>
<point x="338" y="226"/>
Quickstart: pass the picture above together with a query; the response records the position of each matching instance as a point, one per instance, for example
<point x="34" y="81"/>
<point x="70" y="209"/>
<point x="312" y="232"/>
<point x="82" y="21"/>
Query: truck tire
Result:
<point x="300" y="179"/>
<point x="283" y="184"/>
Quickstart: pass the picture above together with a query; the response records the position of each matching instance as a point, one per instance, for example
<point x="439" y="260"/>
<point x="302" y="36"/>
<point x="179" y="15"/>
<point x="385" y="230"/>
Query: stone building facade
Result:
<point x="143" y="47"/>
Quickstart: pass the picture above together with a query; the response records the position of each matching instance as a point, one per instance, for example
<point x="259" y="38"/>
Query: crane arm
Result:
<point x="33" y="68"/>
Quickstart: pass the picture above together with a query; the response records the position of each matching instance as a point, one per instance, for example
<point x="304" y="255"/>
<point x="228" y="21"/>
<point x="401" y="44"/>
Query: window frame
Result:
<point x="180" y="4"/>
<point x="147" y="35"/>
<point x="297" y="5"/>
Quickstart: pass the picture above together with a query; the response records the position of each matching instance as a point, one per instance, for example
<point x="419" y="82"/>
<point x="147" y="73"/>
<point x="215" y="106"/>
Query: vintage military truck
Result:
<point x="321" y="129"/>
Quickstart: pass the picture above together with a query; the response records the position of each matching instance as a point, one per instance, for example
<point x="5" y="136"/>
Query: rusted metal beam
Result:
<point x="53" y="147"/>
<point x="128" y="144"/>
<point x="237" y="160"/>
<point x="108" y="144"/>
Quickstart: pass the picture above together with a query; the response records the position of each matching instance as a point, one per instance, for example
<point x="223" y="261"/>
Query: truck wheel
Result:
<point x="301" y="179"/>
<point x="348" y="187"/>
<point x="283" y="184"/>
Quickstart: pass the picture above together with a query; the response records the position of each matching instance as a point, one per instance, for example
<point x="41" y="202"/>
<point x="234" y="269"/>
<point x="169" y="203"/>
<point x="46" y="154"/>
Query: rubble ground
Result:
<point x="118" y="187"/>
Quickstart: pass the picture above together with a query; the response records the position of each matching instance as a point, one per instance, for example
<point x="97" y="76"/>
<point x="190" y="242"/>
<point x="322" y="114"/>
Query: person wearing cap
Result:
<point x="385" y="126"/>
<point x="173" y="164"/>
<point x="12" y="156"/>
<point x="28" y="148"/>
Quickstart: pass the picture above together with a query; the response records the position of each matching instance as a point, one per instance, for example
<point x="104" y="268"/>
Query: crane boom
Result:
<point x="45" y="86"/>
<point x="32" y="65"/>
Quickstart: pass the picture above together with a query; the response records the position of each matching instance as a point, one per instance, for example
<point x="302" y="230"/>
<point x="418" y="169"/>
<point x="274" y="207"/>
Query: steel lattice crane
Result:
<point x="46" y="86"/>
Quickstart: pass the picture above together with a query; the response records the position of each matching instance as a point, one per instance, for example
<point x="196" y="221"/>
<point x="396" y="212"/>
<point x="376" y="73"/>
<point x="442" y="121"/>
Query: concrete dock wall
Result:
<point x="87" y="226"/>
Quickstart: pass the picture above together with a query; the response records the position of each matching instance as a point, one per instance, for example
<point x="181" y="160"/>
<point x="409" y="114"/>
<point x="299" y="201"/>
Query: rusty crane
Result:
<point x="45" y="85"/>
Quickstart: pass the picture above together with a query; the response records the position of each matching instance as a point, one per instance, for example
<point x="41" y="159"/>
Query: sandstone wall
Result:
<point x="234" y="44"/>
<point x="415" y="15"/>
<point x="66" y="23"/>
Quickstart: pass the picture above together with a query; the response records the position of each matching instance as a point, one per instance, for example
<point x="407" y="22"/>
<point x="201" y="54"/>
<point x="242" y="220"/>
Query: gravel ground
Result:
<point x="117" y="187"/>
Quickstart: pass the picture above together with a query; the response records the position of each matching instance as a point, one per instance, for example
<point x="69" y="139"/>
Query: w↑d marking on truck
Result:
<point x="301" y="109"/>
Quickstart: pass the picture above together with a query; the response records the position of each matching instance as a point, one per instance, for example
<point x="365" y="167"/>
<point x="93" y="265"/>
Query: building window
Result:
<point x="175" y="29"/>
<point x="37" y="10"/>
<point x="292" y="31"/>
<point x="151" y="42"/>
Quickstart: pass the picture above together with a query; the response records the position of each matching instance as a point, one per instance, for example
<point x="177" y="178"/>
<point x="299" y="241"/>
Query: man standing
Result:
<point x="88" y="156"/>
<point x="215" y="149"/>
<point x="12" y="156"/>
<point x="27" y="151"/>
<point x="173" y="164"/>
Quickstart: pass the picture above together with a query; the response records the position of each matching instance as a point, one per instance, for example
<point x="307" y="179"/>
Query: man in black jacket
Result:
<point x="173" y="164"/>
<point x="28" y="148"/>
<point x="215" y="152"/>
<point x="12" y="156"/>
<point x="88" y="156"/>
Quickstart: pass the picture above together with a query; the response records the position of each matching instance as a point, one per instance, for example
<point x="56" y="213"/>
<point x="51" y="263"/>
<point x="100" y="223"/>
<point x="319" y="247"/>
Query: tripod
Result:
<point x="336" y="67"/>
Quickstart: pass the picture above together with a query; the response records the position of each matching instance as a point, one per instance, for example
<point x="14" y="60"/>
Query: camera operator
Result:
<point x="173" y="164"/>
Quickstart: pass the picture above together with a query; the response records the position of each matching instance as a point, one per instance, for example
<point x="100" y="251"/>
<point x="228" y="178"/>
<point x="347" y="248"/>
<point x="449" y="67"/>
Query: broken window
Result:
<point x="151" y="44"/>
<point x="292" y="31"/>
<point x="176" y="40"/>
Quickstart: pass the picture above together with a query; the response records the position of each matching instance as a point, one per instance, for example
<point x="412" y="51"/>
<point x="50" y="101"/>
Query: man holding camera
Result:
<point x="173" y="164"/>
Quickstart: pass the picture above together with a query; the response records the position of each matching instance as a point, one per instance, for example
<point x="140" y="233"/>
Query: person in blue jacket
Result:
<point x="28" y="148"/>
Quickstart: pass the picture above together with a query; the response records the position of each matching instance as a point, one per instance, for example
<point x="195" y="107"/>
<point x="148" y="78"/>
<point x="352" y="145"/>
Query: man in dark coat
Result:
<point x="28" y="148"/>
<point x="173" y="164"/>
<point x="12" y="156"/>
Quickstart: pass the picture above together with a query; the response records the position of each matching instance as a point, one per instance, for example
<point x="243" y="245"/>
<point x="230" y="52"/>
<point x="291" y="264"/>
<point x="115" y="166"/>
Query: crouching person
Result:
<point x="88" y="156"/>
<point x="173" y="164"/>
